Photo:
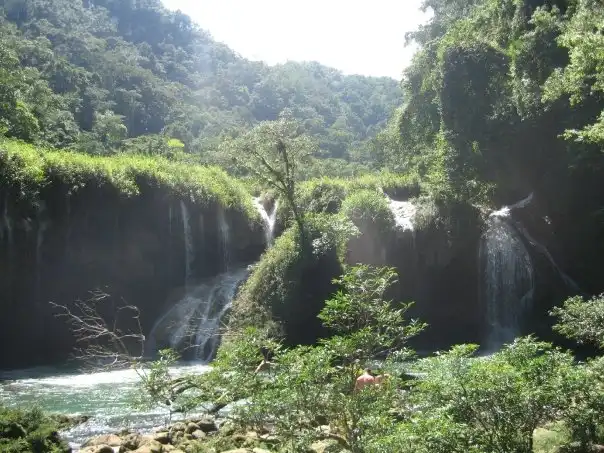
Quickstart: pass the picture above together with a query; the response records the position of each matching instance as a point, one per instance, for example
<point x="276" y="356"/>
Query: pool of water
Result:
<point x="104" y="396"/>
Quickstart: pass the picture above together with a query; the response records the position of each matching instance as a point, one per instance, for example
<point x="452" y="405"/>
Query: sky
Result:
<point x="354" y="36"/>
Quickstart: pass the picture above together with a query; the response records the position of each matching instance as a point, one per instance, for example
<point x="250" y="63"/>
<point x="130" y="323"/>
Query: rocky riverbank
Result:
<point x="200" y="435"/>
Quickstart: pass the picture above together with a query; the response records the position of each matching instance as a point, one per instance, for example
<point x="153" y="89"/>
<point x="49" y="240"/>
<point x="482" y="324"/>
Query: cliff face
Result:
<point x="70" y="240"/>
<point x="437" y="263"/>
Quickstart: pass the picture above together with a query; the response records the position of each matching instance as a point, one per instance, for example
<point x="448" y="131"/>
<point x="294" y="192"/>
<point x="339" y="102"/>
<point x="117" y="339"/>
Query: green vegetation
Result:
<point x="367" y="206"/>
<point x="274" y="290"/>
<point x="528" y="397"/>
<point x="28" y="169"/>
<point x="29" y="431"/>
<point x="111" y="75"/>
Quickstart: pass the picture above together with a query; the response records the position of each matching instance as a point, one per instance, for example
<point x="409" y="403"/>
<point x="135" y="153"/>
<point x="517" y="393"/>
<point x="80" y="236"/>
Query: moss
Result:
<point x="29" y="169"/>
<point x="292" y="280"/>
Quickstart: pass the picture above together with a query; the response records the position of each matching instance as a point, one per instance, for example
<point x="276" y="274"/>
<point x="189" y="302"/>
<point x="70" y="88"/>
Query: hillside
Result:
<point x="109" y="74"/>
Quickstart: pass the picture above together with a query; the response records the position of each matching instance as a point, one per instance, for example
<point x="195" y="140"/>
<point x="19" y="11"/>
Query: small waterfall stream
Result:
<point x="225" y="233"/>
<point x="188" y="241"/>
<point x="508" y="279"/>
<point x="43" y="225"/>
<point x="194" y="321"/>
<point x="269" y="219"/>
<point x="508" y="283"/>
<point x="404" y="214"/>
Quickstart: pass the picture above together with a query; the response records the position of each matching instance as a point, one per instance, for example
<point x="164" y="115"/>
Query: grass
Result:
<point x="29" y="169"/>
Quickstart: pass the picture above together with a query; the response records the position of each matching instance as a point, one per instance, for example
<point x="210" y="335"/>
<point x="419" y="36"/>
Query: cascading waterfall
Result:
<point x="225" y="233"/>
<point x="188" y="240"/>
<point x="194" y="321"/>
<point x="404" y="214"/>
<point x="508" y="279"/>
<point x="269" y="219"/>
<point x="43" y="224"/>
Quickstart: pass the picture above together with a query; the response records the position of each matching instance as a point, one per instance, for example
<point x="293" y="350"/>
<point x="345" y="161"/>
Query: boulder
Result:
<point x="150" y="444"/>
<point x="198" y="434"/>
<point x="131" y="442"/>
<point x="207" y="424"/>
<point x="180" y="426"/>
<point x="162" y="437"/>
<point x="191" y="427"/>
<point x="150" y="449"/>
<point x="110" y="440"/>
<point x="98" y="449"/>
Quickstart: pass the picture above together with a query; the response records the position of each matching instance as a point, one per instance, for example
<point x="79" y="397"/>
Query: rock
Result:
<point x="180" y="426"/>
<point x="198" y="434"/>
<point x="110" y="440"/>
<point x="207" y="424"/>
<point x="150" y="449"/>
<point x="239" y="450"/>
<point x="260" y="450"/>
<point x="191" y="427"/>
<point x="162" y="437"/>
<point x="98" y="449"/>
<point x="177" y="437"/>
<point x="168" y="448"/>
<point x="131" y="442"/>
<point x="150" y="445"/>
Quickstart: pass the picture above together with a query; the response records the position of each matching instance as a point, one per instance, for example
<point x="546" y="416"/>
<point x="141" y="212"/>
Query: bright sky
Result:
<point x="354" y="36"/>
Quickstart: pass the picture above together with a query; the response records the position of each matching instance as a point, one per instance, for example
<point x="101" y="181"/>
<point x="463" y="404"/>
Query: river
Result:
<point x="104" y="396"/>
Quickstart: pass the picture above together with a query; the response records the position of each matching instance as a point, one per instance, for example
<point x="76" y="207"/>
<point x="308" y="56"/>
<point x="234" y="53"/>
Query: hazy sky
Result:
<point x="355" y="36"/>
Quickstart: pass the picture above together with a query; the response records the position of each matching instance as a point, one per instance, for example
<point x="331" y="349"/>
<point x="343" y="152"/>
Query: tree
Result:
<point x="488" y="404"/>
<point x="582" y="320"/>
<point x="312" y="386"/>
<point x="273" y="152"/>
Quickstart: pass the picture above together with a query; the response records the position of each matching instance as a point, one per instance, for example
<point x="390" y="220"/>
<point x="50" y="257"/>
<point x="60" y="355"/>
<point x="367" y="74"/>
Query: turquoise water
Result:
<point x="104" y="396"/>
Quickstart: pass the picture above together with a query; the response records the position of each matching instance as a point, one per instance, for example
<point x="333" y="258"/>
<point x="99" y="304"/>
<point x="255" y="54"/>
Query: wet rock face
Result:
<point x="131" y="249"/>
<point x="437" y="263"/>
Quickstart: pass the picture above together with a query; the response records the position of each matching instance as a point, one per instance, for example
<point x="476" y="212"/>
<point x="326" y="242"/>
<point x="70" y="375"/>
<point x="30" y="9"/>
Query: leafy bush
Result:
<point x="29" y="431"/>
<point x="369" y="206"/>
<point x="491" y="404"/>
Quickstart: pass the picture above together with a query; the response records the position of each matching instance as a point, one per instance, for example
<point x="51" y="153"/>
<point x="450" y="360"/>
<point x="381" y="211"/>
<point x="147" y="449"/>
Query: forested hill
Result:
<point x="103" y="75"/>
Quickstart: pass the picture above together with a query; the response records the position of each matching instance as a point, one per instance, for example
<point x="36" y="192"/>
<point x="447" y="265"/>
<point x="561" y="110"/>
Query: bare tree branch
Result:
<point x="101" y="344"/>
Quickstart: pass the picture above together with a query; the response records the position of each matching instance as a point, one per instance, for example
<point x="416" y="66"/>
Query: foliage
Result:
<point x="29" y="431"/>
<point x="309" y="385"/>
<point x="273" y="290"/>
<point x="96" y="75"/>
<point x="369" y="206"/>
<point x="274" y="152"/>
<point x="582" y="320"/>
<point x="28" y="169"/>
<point x="491" y="404"/>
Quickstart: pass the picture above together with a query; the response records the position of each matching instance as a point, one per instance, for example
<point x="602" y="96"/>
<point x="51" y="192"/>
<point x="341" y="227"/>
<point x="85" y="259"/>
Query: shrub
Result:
<point x="29" y="431"/>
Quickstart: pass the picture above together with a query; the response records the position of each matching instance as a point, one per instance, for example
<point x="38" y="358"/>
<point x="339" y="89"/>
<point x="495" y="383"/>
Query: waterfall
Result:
<point x="194" y="321"/>
<point x="7" y="226"/>
<point x="268" y="219"/>
<point x="188" y="241"/>
<point x="43" y="224"/>
<point x="224" y="231"/>
<point x="404" y="214"/>
<point x="508" y="279"/>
